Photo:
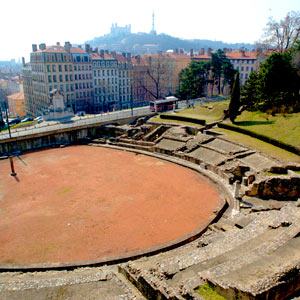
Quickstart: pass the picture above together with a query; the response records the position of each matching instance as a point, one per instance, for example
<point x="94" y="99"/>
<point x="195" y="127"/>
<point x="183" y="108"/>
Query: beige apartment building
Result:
<point x="106" y="87"/>
<point x="67" y="69"/>
<point x="16" y="105"/>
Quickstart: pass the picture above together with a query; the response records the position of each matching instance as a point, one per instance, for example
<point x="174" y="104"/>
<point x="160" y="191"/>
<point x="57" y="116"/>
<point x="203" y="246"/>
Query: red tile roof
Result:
<point x="97" y="56"/>
<point x="55" y="48"/>
<point x="239" y="55"/>
<point x="17" y="96"/>
<point x="77" y="50"/>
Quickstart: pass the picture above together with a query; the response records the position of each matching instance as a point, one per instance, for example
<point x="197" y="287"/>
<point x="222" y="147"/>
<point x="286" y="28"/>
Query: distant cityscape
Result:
<point x="93" y="79"/>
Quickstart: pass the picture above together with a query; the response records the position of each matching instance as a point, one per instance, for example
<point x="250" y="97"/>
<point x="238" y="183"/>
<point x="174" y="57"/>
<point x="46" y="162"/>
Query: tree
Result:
<point x="235" y="103"/>
<point x="282" y="35"/>
<point x="193" y="80"/>
<point x="221" y="67"/>
<point x="158" y="75"/>
<point x="275" y="85"/>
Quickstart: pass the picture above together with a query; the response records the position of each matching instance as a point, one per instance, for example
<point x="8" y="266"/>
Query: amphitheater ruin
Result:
<point x="225" y="216"/>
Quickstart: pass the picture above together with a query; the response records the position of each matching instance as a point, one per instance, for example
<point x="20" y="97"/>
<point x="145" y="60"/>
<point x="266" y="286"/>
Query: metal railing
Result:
<point x="86" y="120"/>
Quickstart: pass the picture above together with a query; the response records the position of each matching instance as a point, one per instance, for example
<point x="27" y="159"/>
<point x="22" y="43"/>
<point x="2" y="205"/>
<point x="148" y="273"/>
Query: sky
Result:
<point x="27" y="22"/>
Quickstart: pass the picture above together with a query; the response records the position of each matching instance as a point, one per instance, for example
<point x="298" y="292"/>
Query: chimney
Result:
<point x="102" y="53"/>
<point x="23" y="61"/>
<point x="128" y="56"/>
<point x="192" y="53"/>
<point x="202" y="51"/>
<point x="68" y="46"/>
<point x="242" y="50"/>
<point x="181" y="51"/>
<point x="87" y="48"/>
<point x="57" y="43"/>
<point x="42" y="46"/>
<point x="114" y="54"/>
<point x="34" y="47"/>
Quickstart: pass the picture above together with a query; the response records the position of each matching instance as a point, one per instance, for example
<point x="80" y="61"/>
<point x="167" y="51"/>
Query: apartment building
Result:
<point x="125" y="70"/>
<point x="65" y="68"/>
<point x="16" y="105"/>
<point x="244" y="62"/>
<point x="106" y="83"/>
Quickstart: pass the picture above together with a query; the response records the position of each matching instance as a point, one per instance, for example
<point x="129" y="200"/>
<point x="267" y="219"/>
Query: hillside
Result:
<point x="138" y="43"/>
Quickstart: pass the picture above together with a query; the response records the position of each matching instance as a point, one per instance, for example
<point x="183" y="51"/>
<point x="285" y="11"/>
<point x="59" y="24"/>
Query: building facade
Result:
<point x="16" y="105"/>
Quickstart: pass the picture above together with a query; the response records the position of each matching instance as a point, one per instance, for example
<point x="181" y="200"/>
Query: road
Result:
<point x="76" y="121"/>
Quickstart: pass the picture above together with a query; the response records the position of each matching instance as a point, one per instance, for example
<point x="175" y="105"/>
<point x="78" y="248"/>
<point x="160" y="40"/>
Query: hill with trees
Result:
<point x="139" y="43"/>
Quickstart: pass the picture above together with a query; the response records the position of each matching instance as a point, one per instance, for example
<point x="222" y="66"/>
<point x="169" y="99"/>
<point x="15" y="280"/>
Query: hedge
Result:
<point x="264" y="138"/>
<point x="182" y="118"/>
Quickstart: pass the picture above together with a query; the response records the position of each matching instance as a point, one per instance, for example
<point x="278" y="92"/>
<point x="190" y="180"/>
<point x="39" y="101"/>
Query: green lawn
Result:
<point x="285" y="128"/>
<point x="210" y="112"/>
<point x="259" y="145"/>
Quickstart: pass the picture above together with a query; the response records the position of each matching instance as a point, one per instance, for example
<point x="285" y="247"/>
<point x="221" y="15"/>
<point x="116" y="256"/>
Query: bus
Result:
<point x="169" y="103"/>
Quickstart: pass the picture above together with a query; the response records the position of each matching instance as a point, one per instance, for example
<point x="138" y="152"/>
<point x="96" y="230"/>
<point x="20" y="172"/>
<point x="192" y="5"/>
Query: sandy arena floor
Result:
<point x="78" y="203"/>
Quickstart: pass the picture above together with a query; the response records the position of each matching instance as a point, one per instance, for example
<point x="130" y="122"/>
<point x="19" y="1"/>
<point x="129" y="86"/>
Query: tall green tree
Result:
<point x="221" y="67"/>
<point x="275" y="85"/>
<point x="235" y="103"/>
<point x="193" y="80"/>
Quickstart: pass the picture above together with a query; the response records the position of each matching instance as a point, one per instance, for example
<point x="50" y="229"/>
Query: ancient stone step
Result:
<point x="103" y="283"/>
<point x="274" y="275"/>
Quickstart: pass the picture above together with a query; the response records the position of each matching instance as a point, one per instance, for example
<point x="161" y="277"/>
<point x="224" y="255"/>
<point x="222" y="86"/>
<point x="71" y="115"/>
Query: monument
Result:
<point x="57" y="110"/>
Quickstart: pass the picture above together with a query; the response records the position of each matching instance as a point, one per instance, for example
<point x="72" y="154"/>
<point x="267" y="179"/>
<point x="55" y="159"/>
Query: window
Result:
<point x="70" y="67"/>
<point x="61" y="87"/>
<point x="66" y="77"/>
<point x="66" y="68"/>
<point x="48" y="68"/>
<point x="59" y="68"/>
<point x="242" y="75"/>
<point x="251" y="69"/>
<point x="53" y="68"/>
<point x="49" y="78"/>
<point x="60" y="78"/>
<point x="246" y="76"/>
<point x="54" y="78"/>
<point x="242" y="68"/>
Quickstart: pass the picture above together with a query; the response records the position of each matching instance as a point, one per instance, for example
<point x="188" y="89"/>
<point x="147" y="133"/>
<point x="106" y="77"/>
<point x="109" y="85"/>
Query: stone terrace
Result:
<point x="251" y="252"/>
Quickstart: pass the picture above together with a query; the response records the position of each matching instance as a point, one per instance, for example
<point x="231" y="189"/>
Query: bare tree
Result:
<point x="283" y="34"/>
<point x="157" y="77"/>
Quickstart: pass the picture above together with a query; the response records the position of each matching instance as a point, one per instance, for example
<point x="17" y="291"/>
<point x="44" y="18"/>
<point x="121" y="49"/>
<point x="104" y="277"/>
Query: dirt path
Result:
<point x="78" y="203"/>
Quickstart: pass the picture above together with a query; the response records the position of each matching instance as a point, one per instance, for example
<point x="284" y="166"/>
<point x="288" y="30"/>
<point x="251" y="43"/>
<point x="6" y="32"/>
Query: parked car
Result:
<point x="38" y="118"/>
<point x="80" y="113"/>
<point x="14" y="121"/>
<point x="27" y="120"/>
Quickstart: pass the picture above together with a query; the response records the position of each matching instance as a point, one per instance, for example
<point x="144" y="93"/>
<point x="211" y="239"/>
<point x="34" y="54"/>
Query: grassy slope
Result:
<point x="283" y="128"/>
<point x="260" y="145"/>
